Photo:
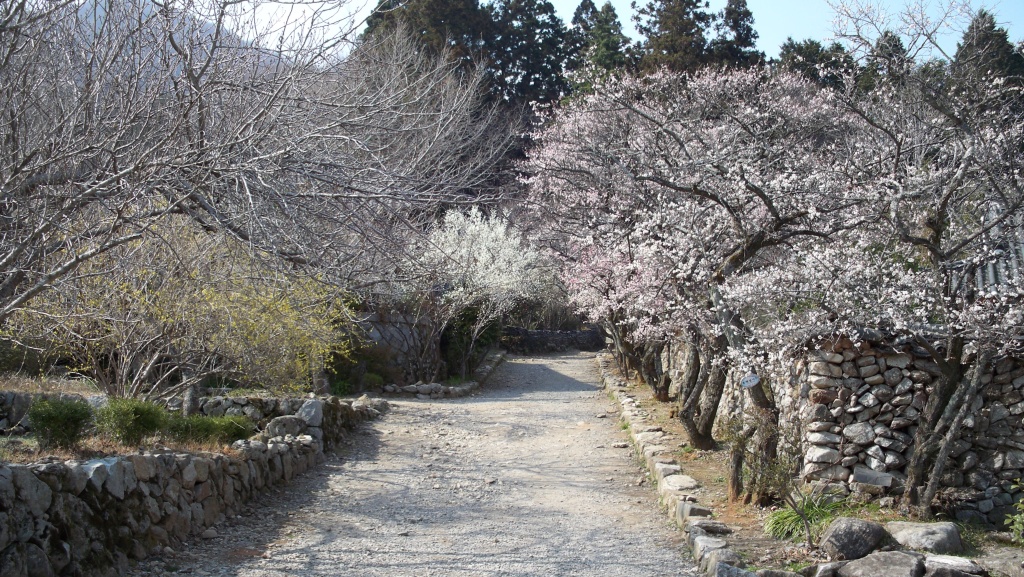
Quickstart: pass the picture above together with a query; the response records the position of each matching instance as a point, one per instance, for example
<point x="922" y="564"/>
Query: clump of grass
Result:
<point x="201" y="428"/>
<point x="128" y="421"/>
<point x="806" y="515"/>
<point x="59" y="423"/>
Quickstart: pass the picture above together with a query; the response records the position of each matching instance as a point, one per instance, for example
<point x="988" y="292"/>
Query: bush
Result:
<point x="373" y="380"/>
<point x="816" y="509"/>
<point x="128" y="421"/>
<point x="59" y="423"/>
<point x="200" y="428"/>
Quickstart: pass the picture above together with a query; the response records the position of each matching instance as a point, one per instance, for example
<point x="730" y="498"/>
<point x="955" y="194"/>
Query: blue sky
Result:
<point x="777" y="19"/>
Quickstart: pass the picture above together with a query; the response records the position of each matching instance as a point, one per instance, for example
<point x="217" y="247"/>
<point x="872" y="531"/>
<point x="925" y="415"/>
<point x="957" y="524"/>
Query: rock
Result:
<point x="776" y="573"/>
<point x="725" y="570"/>
<point x="889" y="564"/>
<point x="33" y="493"/>
<point x="688" y="513"/>
<point x="893" y="377"/>
<point x="869" y="371"/>
<point x="823" y="438"/>
<point x="704" y="544"/>
<point x="900" y="360"/>
<point x="869" y="476"/>
<point x="822" y="396"/>
<point x="1014" y="459"/>
<point x="941" y="537"/>
<point x="823" y="569"/>
<point x="860" y="433"/>
<point x="948" y="565"/>
<point x="712" y="559"/>
<point x="709" y="526"/>
<point x="819" y="454"/>
<point x="210" y="533"/>
<point x="847" y="538"/>
<point x="662" y="470"/>
<point x="680" y="483"/>
<point x="286" y="425"/>
<point x="311" y="411"/>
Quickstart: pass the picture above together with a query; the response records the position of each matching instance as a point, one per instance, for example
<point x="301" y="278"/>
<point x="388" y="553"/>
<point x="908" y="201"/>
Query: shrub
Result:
<point x="373" y="380"/>
<point x="201" y="428"/>
<point x="1015" y="522"/>
<point x="59" y="423"/>
<point x="128" y="421"/>
<point x="805" y="513"/>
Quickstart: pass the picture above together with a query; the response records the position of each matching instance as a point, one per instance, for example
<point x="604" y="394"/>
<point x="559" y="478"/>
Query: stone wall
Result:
<point x="851" y="410"/>
<point x="526" y="342"/>
<point x="91" y="517"/>
<point x="858" y="406"/>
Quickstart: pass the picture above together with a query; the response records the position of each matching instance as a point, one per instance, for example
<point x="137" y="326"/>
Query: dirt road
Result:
<point x="524" y="478"/>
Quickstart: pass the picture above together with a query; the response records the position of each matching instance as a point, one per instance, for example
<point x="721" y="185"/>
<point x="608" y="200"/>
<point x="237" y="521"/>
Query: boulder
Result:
<point x="888" y="563"/>
<point x="941" y="537"/>
<point x="776" y="573"/>
<point x="848" y="538"/>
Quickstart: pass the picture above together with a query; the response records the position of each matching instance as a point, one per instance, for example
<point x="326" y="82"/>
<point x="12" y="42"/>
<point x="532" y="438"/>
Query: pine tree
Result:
<point x="985" y="51"/>
<point x="461" y="27"/>
<point x="816" y="62"/>
<point x="528" y="51"/>
<point x="736" y="44"/>
<point x="675" y="32"/>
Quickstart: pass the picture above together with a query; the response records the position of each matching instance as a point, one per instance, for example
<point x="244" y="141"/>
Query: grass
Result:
<point x="818" y="508"/>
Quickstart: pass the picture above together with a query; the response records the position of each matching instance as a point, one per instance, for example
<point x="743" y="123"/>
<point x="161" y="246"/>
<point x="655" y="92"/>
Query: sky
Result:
<point x="775" y="20"/>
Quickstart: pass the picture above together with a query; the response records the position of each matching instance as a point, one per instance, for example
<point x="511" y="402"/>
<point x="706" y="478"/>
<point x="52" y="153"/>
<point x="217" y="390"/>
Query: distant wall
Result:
<point x="527" y="342"/>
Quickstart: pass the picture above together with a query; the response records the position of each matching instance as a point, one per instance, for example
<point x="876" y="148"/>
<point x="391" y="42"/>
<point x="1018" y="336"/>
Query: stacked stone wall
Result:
<point x="91" y="517"/>
<point x="850" y="411"/>
<point x="859" y="405"/>
<point x="531" y="342"/>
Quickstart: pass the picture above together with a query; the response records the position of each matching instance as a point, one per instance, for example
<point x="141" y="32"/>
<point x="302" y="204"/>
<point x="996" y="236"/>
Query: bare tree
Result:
<point x="282" y="131"/>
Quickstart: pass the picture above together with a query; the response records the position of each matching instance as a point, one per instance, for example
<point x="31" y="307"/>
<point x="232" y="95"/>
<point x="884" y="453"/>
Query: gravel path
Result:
<point x="524" y="478"/>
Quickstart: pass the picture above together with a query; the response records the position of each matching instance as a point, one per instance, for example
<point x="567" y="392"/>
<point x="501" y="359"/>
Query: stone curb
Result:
<point x="439" y="391"/>
<point x="677" y="492"/>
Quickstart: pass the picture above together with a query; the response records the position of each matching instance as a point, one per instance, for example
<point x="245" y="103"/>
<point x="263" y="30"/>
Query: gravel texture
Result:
<point x="520" y="479"/>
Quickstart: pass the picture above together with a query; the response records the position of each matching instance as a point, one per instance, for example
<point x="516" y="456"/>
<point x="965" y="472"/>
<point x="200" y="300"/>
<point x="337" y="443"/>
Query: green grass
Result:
<point x="819" y="508"/>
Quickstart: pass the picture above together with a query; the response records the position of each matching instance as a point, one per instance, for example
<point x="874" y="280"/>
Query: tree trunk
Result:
<point x="952" y="429"/>
<point x="925" y="441"/>
<point x="698" y="413"/>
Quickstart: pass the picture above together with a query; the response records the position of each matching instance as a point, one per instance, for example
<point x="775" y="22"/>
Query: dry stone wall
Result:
<point x="90" y="517"/>
<point x="852" y="408"/>
<point x="859" y="405"/>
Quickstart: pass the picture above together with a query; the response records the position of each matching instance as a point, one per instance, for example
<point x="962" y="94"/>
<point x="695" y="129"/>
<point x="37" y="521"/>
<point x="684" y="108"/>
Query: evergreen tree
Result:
<point x="675" y="34"/>
<point x="461" y="27"/>
<point x="736" y="42"/>
<point x="600" y="49"/>
<point x="985" y="51"/>
<point x="816" y="62"/>
<point x="528" y="51"/>
<point x="583" y="20"/>
<point x="595" y="39"/>
<point x="888" y="62"/>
